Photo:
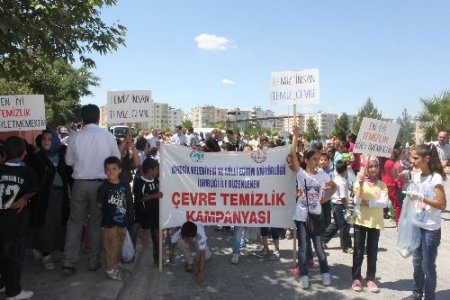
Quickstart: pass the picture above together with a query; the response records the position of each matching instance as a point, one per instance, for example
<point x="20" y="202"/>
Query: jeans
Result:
<point x="339" y="224"/>
<point x="303" y="237"/>
<point x="361" y="234"/>
<point x="326" y="211"/>
<point x="424" y="261"/>
<point x="238" y="240"/>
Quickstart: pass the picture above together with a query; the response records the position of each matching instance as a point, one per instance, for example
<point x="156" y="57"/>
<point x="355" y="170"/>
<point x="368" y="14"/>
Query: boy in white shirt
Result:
<point x="340" y="204"/>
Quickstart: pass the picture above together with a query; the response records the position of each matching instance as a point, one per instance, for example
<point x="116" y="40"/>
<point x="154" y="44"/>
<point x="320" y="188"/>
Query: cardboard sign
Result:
<point x="252" y="189"/>
<point x="22" y="112"/>
<point x="129" y="107"/>
<point x="376" y="137"/>
<point x="295" y="87"/>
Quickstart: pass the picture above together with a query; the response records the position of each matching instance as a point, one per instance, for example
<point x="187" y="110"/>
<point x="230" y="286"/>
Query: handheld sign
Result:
<point x="295" y="87"/>
<point x="376" y="137"/>
<point x="22" y="112"/>
<point x="129" y="107"/>
<point x="253" y="189"/>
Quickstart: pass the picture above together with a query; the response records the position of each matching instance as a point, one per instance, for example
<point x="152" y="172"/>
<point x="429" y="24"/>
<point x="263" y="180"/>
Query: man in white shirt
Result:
<point x="187" y="234"/>
<point x="443" y="148"/>
<point x="178" y="138"/>
<point x="152" y="138"/>
<point x="86" y="152"/>
<point x="192" y="139"/>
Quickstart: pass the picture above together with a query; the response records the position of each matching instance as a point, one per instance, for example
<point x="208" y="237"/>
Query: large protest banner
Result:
<point x="22" y="112"/>
<point x="129" y="107"/>
<point x="295" y="87"/>
<point x="252" y="189"/>
<point x="376" y="137"/>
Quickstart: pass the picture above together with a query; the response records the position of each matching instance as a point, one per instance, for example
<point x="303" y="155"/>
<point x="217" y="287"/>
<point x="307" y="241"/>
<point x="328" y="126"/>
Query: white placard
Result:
<point x="22" y="112"/>
<point x="253" y="189"/>
<point x="376" y="137"/>
<point x="295" y="87"/>
<point x="129" y="107"/>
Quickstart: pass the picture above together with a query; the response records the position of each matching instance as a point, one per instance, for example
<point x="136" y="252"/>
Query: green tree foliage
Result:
<point x="53" y="29"/>
<point x="367" y="110"/>
<point x="406" y="133"/>
<point x="312" y="131"/>
<point x="62" y="86"/>
<point x="341" y="127"/>
<point x="186" y="123"/>
<point x="436" y="115"/>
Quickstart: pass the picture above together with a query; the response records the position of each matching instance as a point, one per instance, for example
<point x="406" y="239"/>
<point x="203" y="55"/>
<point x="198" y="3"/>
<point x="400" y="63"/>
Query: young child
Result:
<point x="112" y="199"/>
<point x="430" y="201"/>
<point x="146" y="202"/>
<point x="18" y="184"/>
<point x="371" y="195"/>
<point x="340" y="204"/>
<point x="187" y="234"/>
<point x="324" y="164"/>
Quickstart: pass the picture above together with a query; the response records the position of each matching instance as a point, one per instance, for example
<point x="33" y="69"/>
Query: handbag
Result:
<point x="314" y="223"/>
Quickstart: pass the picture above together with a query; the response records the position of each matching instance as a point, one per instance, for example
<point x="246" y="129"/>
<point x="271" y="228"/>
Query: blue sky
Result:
<point x="221" y="52"/>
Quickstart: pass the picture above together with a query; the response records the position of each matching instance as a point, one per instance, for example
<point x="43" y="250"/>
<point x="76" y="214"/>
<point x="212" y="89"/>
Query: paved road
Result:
<point x="253" y="278"/>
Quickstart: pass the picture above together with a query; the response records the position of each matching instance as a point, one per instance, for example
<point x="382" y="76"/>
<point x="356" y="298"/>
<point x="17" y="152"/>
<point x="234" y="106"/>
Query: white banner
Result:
<point x="253" y="189"/>
<point x="22" y="112"/>
<point x="376" y="137"/>
<point x="129" y="107"/>
<point x="295" y="87"/>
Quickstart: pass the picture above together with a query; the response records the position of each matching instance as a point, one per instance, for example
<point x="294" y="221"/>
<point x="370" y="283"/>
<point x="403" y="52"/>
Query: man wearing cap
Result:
<point x="178" y="138"/>
<point x="86" y="152"/>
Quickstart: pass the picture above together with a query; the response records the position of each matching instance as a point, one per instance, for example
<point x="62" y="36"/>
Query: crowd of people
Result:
<point x="88" y="188"/>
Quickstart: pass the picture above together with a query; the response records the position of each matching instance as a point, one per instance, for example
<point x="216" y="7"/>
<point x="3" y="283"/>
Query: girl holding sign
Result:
<point x="371" y="196"/>
<point x="312" y="182"/>
<point x="429" y="198"/>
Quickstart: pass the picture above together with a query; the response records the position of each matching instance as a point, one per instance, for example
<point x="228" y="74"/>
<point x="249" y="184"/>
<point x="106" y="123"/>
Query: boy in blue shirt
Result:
<point x="112" y="199"/>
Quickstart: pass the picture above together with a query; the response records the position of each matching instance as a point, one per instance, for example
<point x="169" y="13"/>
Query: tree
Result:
<point x="436" y="115"/>
<point x="61" y="84"/>
<point x="312" y="132"/>
<point x="186" y="123"/>
<point x="406" y="133"/>
<point x="53" y="29"/>
<point x="341" y="127"/>
<point x="367" y="110"/>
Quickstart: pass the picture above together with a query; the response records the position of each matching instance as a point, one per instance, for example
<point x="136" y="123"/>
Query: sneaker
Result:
<point x="3" y="289"/>
<point x="372" y="286"/>
<point x="37" y="255"/>
<point x="47" y="263"/>
<point x="95" y="268"/>
<point x="356" y="285"/>
<point x="275" y="255"/>
<point x="235" y="259"/>
<point x="114" y="274"/>
<point x="412" y="297"/>
<point x="348" y="250"/>
<point x="324" y="246"/>
<point x="304" y="282"/>
<point x="68" y="270"/>
<point x="22" y="295"/>
<point x="326" y="278"/>
<point x="219" y="228"/>
<point x="310" y="263"/>
<point x="263" y="253"/>
<point x="189" y="268"/>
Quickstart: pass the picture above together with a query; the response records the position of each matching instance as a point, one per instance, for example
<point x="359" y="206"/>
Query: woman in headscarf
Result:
<point x="49" y="209"/>
<point x="371" y="196"/>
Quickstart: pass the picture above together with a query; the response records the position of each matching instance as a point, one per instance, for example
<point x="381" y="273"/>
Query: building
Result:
<point x="175" y="117"/>
<point x="325" y="122"/>
<point x="206" y="116"/>
<point x="288" y="122"/>
<point x="258" y="113"/>
<point x="419" y="132"/>
<point x="103" y="116"/>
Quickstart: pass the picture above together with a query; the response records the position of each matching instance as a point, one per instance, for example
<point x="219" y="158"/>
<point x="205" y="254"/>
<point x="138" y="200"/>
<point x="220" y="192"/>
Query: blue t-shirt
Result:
<point x="113" y="198"/>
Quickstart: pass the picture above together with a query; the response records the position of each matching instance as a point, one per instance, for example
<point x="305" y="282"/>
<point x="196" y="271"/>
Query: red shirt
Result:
<point x="386" y="173"/>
